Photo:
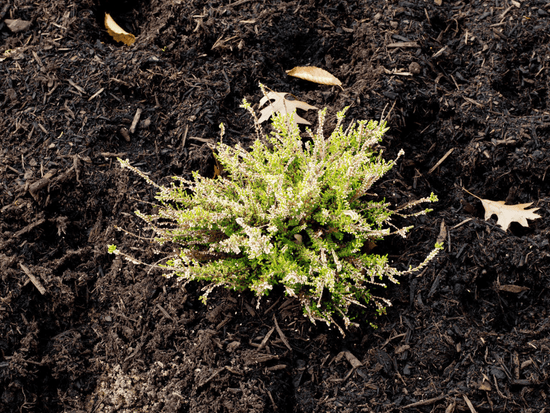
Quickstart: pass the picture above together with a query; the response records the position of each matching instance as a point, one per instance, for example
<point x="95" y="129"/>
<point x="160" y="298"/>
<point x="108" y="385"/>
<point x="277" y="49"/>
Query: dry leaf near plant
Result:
<point x="507" y="213"/>
<point x="278" y="103"/>
<point x="117" y="32"/>
<point x="314" y="74"/>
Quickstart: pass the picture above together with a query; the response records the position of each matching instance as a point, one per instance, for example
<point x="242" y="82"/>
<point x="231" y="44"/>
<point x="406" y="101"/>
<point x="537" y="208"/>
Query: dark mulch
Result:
<point x="105" y="335"/>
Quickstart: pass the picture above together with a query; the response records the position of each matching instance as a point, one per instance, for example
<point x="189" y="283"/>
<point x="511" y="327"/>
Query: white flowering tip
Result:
<point x="352" y="214"/>
<point x="257" y="243"/>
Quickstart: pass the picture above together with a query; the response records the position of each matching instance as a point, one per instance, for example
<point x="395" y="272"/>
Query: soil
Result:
<point x="465" y="88"/>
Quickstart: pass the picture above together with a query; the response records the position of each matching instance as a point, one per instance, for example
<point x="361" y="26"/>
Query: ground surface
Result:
<point x="470" y="334"/>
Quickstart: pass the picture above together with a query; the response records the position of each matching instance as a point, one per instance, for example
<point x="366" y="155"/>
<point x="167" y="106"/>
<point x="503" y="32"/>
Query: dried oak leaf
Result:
<point x="284" y="106"/>
<point x="314" y="74"/>
<point x="509" y="213"/>
<point x="117" y="32"/>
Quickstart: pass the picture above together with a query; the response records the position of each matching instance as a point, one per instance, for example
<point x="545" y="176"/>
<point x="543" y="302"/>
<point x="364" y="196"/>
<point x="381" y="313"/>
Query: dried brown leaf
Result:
<point x="511" y="288"/>
<point x="117" y="32"/>
<point x="284" y="106"/>
<point x="314" y="74"/>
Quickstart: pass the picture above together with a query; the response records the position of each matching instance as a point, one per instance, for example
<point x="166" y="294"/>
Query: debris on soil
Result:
<point x="468" y="83"/>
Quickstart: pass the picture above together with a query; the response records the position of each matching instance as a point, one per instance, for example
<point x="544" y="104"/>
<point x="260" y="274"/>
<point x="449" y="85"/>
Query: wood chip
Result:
<point x="440" y="52"/>
<point x="403" y="44"/>
<point x="73" y="84"/>
<point x="402" y="349"/>
<point x="469" y="403"/>
<point x="125" y="134"/>
<point x="485" y="386"/>
<point x="355" y="363"/>
<point x="262" y="358"/>
<point x="249" y="309"/>
<point x="266" y="339"/>
<point x="135" y="121"/>
<point x="35" y="187"/>
<point x="33" y="279"/>
<point x="277" y="367"/>
<point x="467" y="99"/>
<point x="17" y="25"/>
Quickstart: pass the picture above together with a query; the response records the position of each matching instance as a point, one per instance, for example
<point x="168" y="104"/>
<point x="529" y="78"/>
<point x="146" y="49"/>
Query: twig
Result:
<point x="441" y="160"/>
<point x="281" y="335"/>
<point x="29" y="227"/>
<point x="164" y="312"/>
<point x="424" y="402"/>
<point x="462" y="223"/>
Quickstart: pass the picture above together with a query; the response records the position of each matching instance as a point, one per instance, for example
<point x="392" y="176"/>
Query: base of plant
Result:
<point x="289" y="211"/>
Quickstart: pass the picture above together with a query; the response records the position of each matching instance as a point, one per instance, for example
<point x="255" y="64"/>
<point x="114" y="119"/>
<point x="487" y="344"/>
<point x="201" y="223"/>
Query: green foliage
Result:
<point x="288" y="212"/>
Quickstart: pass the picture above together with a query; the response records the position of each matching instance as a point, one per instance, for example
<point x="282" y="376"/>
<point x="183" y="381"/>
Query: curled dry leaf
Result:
<point x="117" y="32"/>
<point x="284" y="106"/>
<point x="314" y="74"/>
<point x="507" y="213"/>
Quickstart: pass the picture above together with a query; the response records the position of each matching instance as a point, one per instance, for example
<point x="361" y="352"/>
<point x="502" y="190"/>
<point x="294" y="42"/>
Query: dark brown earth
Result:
<point x="470" y="334"/>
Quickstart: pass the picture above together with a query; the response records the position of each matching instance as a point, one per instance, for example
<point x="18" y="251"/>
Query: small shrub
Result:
<point x="287" y="212"/>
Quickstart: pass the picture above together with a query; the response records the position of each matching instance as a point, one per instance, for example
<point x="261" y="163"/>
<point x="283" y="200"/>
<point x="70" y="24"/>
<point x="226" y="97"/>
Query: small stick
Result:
<point x="281" y="335"/>
<point x="164" y="312"/>
<point x="462" y="223"/>
<point x="441" y="160"/>
<point x="424" y="402"/>
<point x="96" y="94"/>
<point x="34" y="280"/>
